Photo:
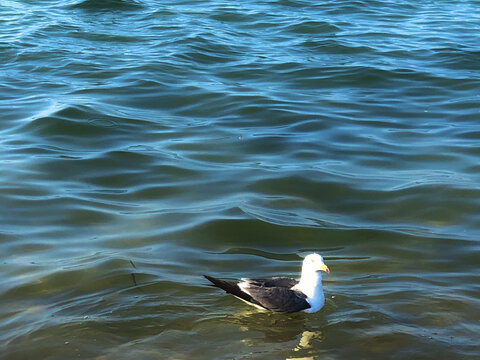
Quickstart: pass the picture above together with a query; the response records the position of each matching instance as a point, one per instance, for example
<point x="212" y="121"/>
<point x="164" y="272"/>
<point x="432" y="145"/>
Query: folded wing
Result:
<point x="279" y="299"/>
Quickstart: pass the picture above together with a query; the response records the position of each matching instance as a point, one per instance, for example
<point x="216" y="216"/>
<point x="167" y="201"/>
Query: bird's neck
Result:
<point x="310" y="283"/>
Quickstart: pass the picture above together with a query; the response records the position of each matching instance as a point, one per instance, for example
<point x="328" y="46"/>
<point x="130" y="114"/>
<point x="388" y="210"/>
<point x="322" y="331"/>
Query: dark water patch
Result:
<point x="268" y="255"/>
<point x="104" y="5"/>
<point x="229" y="15"/>
<point x="312" y="27"/>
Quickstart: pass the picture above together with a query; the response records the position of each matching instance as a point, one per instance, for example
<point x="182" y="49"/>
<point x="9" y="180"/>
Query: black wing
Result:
<point x="278" y="281"/>
<point x="279" y="299"/>
<point x="231" y="288"/>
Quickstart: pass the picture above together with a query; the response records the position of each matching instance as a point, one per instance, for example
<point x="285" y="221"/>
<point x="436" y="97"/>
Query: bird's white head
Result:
<point x="311" y="281"/>
<point x="314" y="262"/>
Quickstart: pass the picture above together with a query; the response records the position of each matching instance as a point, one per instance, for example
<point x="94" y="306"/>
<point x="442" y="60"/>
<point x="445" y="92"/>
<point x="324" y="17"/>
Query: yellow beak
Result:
<point x="325" y="268"/>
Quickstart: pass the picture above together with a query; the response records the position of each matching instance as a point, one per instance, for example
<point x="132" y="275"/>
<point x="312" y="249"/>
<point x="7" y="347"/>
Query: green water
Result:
<point x="145" y="143"/>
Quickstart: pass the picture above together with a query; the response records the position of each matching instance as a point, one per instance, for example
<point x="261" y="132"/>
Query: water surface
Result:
<point x="145" y="143"/>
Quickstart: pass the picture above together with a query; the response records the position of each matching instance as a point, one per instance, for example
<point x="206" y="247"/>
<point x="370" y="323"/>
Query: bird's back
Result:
<point x="277" y="281"/>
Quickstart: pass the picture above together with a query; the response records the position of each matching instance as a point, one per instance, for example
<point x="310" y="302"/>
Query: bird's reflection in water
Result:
<point x="305" y="345"/>
<point x="301" y="330"/>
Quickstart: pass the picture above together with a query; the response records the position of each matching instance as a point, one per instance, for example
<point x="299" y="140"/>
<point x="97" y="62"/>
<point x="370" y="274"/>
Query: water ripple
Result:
<point x="144" y="143"/>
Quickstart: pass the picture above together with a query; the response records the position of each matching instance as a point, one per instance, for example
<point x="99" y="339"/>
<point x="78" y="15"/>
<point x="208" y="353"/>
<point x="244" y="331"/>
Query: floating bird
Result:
<point x="282" y="294"/>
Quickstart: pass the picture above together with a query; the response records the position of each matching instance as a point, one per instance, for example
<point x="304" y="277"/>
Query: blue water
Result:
<point x="144" y="143"/>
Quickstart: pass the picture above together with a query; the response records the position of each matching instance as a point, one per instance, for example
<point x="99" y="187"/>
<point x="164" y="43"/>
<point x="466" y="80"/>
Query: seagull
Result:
<point x="282" y="294"/>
